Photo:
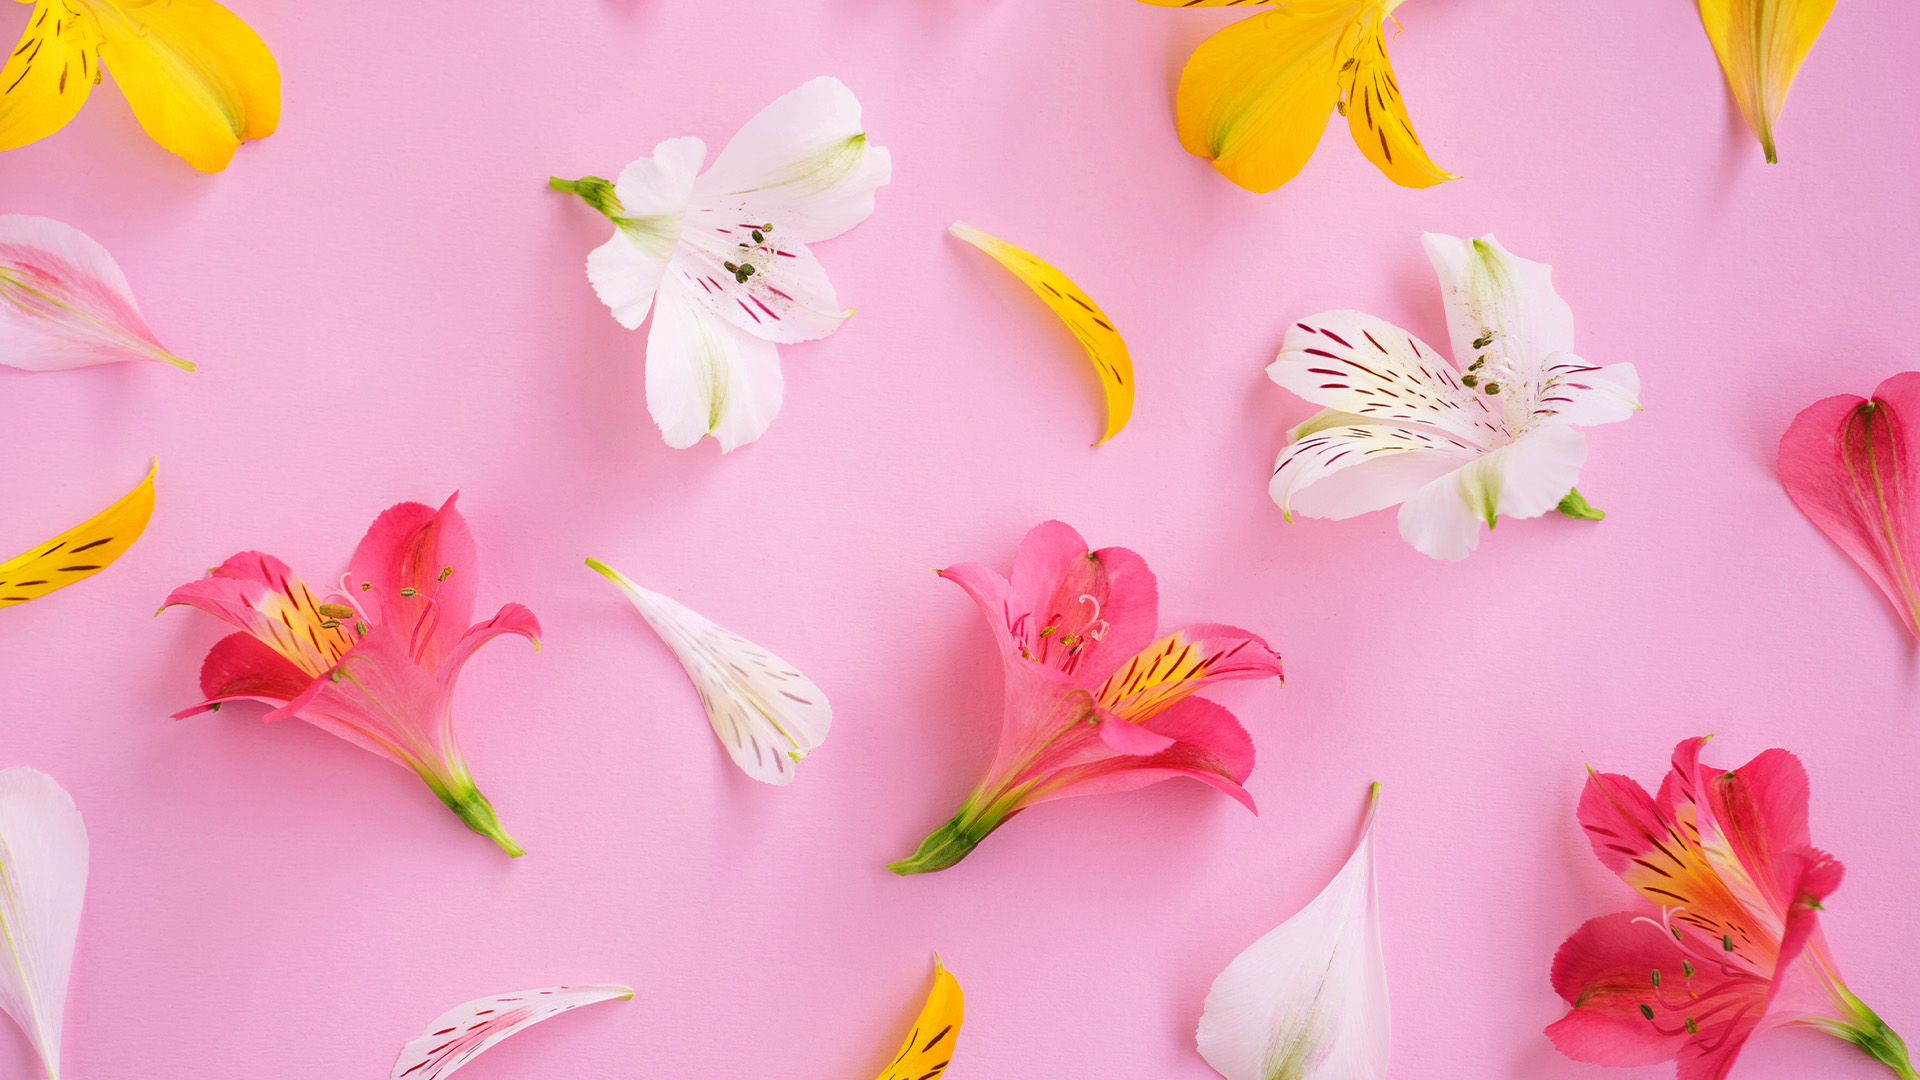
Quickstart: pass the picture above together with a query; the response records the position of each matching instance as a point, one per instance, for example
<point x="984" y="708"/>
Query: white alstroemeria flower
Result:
<point x="1308" y="1001"/>
<point x="1453" y="446"/>
<point x="721" y="257"/>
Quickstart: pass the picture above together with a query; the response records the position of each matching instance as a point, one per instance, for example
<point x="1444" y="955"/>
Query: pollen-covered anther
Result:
<point x="335" y="611"/>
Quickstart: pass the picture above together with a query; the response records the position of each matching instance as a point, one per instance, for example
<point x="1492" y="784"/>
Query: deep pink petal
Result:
<point x="511" y="619"/>
<point x="1761" y="809"/>
<point x="240" y="666"/>
<point x="1621" y="821"/>
<point x="1209" y="746"/>
<point x="1131" y="739"/>
<point x="417" y="572"/>
<point x="1607" y="971"/>
<point x="1850" y="466"/>
<point x="64" y="302"/>
<point x="1091" y="610"/>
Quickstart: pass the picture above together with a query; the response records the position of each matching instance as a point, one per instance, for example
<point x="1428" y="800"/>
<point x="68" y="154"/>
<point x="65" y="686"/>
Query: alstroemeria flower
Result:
<point x="1849" y="464"/>
<point x="721" y="257"/>
<point x="1455" y="447"/>
<point x="198" y="79"/>
<point x="374" y="661"/>
<point x="1761" y="45"/>
<point x="1095" y="701"/>
<point x="1255" y="97"/>
<point x="1735" y="948"/>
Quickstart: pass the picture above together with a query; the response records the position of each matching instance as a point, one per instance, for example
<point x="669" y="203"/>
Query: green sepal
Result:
<point x="1575" y="505"/>
<point x="474" y="809"/>
<point x="945" y="846"/>
<point x="1880" y="1042"/>
<point x="593" y="191"/>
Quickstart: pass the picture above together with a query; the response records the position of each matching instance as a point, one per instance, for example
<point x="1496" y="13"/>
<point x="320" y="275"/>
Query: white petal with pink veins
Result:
<point x="465" y="1031"/>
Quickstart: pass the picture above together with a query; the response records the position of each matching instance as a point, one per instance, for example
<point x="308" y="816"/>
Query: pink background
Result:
<point x="387" y="304"/>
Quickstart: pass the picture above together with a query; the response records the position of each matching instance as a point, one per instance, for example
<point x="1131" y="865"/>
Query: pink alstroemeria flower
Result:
<point x="1849" y="463"/>
<point x="1094" y="701"/>
<point x="373" y="662"/>
<point x="1736" y="948"/>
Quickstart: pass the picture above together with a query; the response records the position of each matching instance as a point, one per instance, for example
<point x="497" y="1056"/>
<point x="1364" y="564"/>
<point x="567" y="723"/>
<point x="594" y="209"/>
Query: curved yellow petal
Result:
<point x="198" y="78"/>
<point x="1205" y="3"/>
<point x="48" y="75"/>
<point x="1761" y="45"/>
<point x="929" y="1045"/>
<point x="1104" y="345"/>
<point x="1255" y="97"/>
<point x="1378" y="118"/>
<point x="82" y="551"/>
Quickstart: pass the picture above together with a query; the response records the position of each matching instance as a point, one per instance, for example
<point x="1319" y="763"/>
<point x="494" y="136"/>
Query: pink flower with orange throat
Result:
<point x="374" y="661"/>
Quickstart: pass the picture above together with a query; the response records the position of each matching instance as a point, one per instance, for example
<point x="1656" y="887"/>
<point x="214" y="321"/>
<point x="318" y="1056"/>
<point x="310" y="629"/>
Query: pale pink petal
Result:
<point x="653" y="193"/>
<point x="1500" y="300"/>
<point x="64" y="302"/>
<point x="416" y="573"/>
<point x="706" y="376"/>
<point x="43" y="883"/>
<point x="786" y="299"/>
<point x="1849" y="464"/>
<point x="1575" y="392"/>
<point x="1525" y="478"/>
<point x="465" y="1031"/>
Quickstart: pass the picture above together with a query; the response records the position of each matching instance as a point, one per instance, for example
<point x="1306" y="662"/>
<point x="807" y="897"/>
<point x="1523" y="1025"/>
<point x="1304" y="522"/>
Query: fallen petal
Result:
<point x="64" y="302"/>
<point x="768" y="715"/>
<point x="43" y="864"/>
<point x="1761" y="45"/>
<point x="1309" y="1000"/>
<point x="929" y="1045"/>
<point x="465" y="1031"/>
<point x="80" y="552"/>
<point x="1104" y="345"/>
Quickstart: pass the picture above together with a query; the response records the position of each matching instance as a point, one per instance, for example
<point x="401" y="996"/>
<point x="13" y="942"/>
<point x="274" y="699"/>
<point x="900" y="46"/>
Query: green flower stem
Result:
<point x="477" y="812"/>
<point x="949" y="843"/>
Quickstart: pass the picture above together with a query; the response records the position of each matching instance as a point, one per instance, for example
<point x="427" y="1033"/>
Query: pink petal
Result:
<point x="241" y="666"/>
<point x="1184" y="662"/>
<point x="1849" y="465"/>
<point x="412" y="549"/>
<point x="1605" y="972"/>
<point x="1209" y="745"/>
<point x="64" y="302"/>
<point x="465" y="1031"/>
<point x="1761" y="808"/>
<point x="1104" y="602"/>
<point x="1131" y="739"/>
<point x="1004" y="612"/>
<point x="378" y="699"/>
<point x="512" y="619"/>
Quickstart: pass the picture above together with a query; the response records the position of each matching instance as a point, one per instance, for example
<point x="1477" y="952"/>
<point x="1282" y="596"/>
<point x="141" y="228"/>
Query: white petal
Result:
<point x="1341" y="464"/>
<point x="43" y="868"/>
<point x="786" y="299"/>
<point x="706" y="376"/>
<point x="1356" y="363"/>
<point x="1309" y="1000"/>
<point x="653" y="193"/>
<point x="463" y="1032"/>
<point x="1580" y="394"/>
<point x="767" y="715"/>
<point x="1490" y="291"/>
<point x="803" y="164"/>
<point x="64" y="302"/>
<point x="1524" y="479"/>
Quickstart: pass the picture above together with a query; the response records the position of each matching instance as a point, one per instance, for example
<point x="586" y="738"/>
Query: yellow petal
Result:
<point x="929" y="1045"/>
<point x="81" y="551"/>
<point x="48" y="75"/>
<point x="1378" y="118"/>
<point x="1255" y="97"/>
<point x="198" y="78"/>
<point x="1761" y="44"/>
<point x="1104" y="345"/>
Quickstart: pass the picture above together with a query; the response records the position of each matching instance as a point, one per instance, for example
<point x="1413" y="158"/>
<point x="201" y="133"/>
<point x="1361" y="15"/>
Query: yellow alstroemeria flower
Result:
<point x="1761" y="45"/>
<point x="198" y="78"/>
<point x="1255" y="97"/>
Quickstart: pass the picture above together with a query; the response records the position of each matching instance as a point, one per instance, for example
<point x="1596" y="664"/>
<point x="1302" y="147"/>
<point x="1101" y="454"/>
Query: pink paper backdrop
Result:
<point x="387" y="304"/>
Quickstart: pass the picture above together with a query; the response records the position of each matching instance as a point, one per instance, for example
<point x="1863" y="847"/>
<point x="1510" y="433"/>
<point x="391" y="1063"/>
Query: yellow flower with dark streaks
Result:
<point x="198" y="78"/>
<point x="1255" y="97"/>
